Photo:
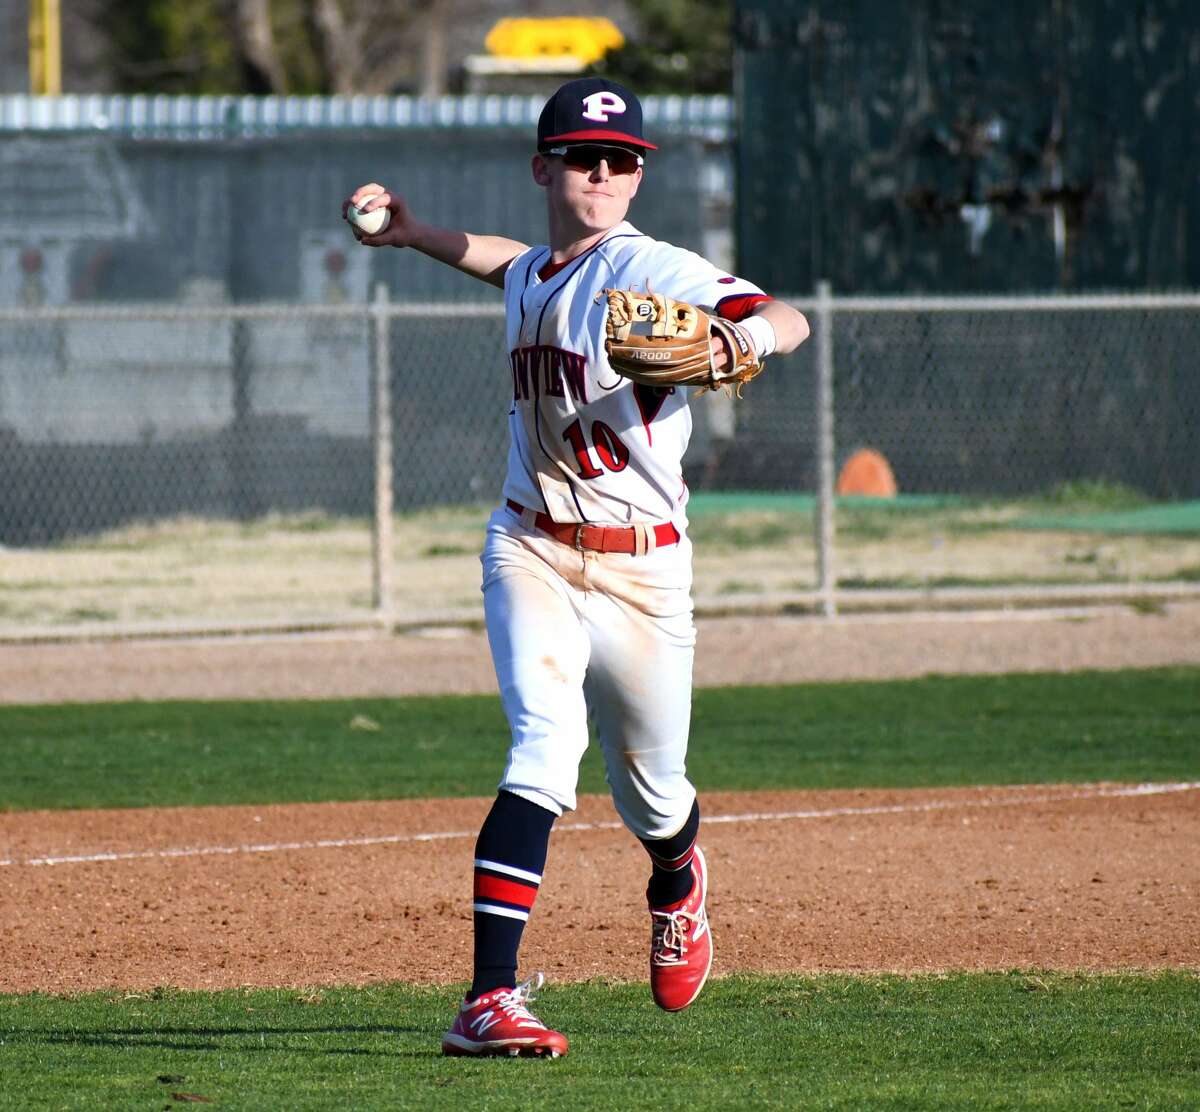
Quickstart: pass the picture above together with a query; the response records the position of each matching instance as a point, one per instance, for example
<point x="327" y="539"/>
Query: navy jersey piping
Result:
<point x="567" y="272"/>
<point x="537" y="428"/>
<point x="525" y="289"/>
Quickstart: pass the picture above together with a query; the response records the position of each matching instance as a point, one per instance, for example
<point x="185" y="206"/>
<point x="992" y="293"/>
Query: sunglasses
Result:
<point x="588" y="156"/>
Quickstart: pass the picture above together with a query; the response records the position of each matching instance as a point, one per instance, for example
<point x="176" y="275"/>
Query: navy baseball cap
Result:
<point x="592" y="110"/>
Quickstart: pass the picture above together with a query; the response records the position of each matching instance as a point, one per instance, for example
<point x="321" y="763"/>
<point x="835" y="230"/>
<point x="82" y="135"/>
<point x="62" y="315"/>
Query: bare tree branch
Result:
<point x="433" y="53"/>
<point x="340" y="46"/>
<point x="252" y="19"/>
<point x="366" y="48"/>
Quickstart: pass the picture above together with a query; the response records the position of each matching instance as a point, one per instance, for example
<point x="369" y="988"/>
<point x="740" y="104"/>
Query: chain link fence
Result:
<point x="172" y="468"/>
<point x="1043" y="446"/>
<point x="996" y="397"/>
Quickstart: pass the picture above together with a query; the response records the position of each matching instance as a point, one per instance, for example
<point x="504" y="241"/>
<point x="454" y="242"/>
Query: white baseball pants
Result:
<point x="609" y="634"/>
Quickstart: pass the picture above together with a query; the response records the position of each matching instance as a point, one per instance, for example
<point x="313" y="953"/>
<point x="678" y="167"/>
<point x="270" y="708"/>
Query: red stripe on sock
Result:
<point x="509" y="891"/>
<point x="674" y="864"/>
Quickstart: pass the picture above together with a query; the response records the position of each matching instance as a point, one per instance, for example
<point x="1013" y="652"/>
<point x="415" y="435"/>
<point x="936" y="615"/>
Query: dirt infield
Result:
<point x="957" y="878"/>
<point x="988" y="878"/>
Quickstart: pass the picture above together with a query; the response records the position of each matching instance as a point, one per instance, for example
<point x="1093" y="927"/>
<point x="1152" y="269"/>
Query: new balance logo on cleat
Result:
<point x="482" y="1022"/>
<point x="500" y="1024"/>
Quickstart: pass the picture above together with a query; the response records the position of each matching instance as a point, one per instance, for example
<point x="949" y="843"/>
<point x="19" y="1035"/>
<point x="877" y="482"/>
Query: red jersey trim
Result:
<point x="738" y="306"/>
<point x="549" y="269"/>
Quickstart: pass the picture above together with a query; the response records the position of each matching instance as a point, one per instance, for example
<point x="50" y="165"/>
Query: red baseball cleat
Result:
<point x="681" y="949"/>
<point x="499" y="1023"/>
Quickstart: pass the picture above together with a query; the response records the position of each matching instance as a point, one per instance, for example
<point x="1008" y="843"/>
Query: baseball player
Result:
<point x="587" y="564"/>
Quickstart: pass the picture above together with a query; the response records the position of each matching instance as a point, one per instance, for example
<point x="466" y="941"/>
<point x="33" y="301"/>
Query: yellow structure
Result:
<point x="45" y="48"/>
<point x="587" y="39"/>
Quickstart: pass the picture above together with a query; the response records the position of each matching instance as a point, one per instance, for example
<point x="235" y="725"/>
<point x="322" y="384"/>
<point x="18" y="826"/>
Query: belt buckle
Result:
<point x="578" y="542"/>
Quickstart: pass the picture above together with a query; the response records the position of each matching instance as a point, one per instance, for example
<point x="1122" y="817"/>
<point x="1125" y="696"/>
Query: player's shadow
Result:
<point x="226" y="1038"/>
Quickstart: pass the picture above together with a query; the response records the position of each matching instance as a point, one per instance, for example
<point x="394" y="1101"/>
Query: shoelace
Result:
<point x="515" y="1003"/>
<point x="670" y="936"/>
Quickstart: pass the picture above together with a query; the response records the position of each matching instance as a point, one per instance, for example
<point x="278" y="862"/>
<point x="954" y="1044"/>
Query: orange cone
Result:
<point x="867" y="472"/>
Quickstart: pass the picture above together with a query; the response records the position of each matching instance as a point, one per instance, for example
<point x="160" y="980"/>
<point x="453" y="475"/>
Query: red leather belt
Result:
<point x="596" y="538"/>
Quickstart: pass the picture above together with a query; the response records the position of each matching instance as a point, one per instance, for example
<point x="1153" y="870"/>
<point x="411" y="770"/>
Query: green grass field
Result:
<point x="987" y="1041"/>
<point x="1134" y="725"/>
<point x="993" y="1041"/>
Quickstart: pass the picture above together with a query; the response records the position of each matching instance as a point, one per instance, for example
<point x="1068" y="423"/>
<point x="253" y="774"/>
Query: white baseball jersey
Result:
<point x="586" y="444"/>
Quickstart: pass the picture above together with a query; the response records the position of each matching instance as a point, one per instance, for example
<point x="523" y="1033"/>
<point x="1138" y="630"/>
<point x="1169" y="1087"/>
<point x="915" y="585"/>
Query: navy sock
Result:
<point x="510" y="855"/>
<point x="671" y="879"/>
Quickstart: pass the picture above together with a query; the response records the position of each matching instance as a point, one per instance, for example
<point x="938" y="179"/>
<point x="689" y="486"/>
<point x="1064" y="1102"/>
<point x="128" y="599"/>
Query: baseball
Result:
<point x="369" y="223"/>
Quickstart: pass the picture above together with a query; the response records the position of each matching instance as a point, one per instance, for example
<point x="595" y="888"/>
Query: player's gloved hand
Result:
<point x="658" y="341"/>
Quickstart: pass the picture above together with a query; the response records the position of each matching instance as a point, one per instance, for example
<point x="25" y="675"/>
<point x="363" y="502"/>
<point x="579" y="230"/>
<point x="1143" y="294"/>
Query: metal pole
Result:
<point x="381" y="420"/>
<point x="245" y="449"/>
<point x="825" y="524"/>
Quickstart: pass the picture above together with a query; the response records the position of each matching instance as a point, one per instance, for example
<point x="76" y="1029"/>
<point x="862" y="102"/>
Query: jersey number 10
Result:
<point x="609" y="447"/>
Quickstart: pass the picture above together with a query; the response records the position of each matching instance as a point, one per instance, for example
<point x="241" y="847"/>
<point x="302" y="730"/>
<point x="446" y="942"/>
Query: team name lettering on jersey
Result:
<point x="546" y="370"/>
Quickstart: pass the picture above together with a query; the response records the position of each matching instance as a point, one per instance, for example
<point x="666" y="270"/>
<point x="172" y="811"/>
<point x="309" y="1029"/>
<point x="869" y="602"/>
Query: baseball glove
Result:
<point x="658" y="341"/>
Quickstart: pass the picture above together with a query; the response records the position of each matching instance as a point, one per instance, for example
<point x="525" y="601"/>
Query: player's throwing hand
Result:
<point x="401" y="228"/>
